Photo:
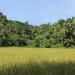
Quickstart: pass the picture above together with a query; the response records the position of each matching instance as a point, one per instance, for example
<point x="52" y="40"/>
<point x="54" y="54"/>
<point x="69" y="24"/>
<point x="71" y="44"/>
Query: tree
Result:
<point x="16" y="33"/>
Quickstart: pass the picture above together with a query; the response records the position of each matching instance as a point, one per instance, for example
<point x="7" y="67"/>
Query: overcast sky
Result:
<point x="38" y="11"/>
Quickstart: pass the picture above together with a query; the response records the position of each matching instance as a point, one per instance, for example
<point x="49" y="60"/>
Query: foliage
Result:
<point x="16" y="33"/>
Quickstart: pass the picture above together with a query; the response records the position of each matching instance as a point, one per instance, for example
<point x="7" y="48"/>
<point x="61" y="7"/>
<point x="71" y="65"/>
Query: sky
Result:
<point x="38" y="11"/>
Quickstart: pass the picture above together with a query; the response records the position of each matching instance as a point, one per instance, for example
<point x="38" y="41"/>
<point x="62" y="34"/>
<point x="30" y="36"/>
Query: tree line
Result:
<point x="20" y="34"/>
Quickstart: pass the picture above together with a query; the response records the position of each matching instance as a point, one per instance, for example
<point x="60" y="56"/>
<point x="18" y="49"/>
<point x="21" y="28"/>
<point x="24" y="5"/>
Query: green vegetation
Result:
<point x="43" y="68"/>
<point x="15" y="33"/>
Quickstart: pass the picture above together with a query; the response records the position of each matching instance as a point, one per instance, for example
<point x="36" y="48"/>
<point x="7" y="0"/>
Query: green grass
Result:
<point x="37" y="61"/>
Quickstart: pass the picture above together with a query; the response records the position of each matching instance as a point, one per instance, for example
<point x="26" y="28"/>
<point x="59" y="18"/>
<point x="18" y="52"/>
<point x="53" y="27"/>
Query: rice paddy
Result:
<point x="37" y="61"/>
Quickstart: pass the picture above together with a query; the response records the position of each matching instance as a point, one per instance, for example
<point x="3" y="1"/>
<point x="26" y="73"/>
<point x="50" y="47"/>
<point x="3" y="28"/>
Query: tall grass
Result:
<point x="43" y="68"/>
<point x="21" y="61"/>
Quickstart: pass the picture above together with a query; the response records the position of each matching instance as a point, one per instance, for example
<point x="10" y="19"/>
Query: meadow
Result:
<point x="37" y="61"/>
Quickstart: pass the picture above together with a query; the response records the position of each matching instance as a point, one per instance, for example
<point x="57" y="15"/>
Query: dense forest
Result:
<point x="20" y="34"/>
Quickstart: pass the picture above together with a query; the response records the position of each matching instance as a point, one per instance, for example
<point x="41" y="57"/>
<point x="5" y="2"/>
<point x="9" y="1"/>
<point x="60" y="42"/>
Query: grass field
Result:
<point x="37" y="61"/>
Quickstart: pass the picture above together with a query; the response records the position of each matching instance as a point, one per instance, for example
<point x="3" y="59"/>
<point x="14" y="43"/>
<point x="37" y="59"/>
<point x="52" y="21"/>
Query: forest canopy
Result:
<point x="20" y="34"/>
